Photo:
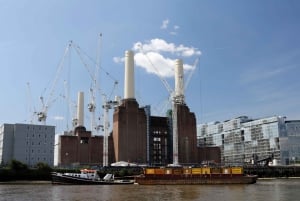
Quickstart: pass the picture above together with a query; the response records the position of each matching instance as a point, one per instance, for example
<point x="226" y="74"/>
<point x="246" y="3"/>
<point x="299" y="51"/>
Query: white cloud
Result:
<point x="152" y="56"/>
<point x="160" y="46"/>
<point x="164" y="24"/>
<point x="118" y="59"/>
<point x="155" y="63"/>
<point x="58" y="118"/>
<point x="158" y="56"/>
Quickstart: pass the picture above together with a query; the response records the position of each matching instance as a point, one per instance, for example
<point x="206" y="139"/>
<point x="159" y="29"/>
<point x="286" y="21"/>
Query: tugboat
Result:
<point x="201" y="175"/>
<point x="87" y="177"/>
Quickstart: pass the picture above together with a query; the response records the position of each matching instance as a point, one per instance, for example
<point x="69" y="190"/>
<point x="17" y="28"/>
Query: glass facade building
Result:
<point x="243" y="140"/>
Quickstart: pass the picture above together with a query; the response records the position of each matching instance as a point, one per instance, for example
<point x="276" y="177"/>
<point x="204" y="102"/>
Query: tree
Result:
<point x="17" y="166"/>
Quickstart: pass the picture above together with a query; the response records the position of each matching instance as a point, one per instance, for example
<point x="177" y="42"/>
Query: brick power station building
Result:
<point x="138" y="137"/>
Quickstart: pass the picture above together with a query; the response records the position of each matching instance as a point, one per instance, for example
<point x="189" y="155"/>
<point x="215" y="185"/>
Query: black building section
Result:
<point x="159" y="141"/>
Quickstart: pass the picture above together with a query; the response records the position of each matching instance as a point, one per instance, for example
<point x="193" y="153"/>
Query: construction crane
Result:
<point x="42" y="114"/>
<point x="31" y="106"/>
<point x="108" y="104"/>
<point x="72" y="107"/>
<point x="92" y="105"/>
<point x="189" y="77"/>
<point x="94" y="87"/>
<point x="174" y="100"/>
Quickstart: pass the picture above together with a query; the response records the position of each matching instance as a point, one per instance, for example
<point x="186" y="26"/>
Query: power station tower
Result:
<point x="80" y="109"/>
<point x="177" y="99"/>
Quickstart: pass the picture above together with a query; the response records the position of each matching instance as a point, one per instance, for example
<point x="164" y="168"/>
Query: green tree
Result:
<point x="17" y="166"/>
<point x="43" y="167"/>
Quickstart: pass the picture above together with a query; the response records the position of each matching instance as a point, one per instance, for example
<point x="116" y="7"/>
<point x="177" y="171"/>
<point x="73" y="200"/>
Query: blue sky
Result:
<point x="248" y="55"/>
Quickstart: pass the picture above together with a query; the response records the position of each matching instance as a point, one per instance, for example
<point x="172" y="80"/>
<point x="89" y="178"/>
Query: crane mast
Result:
<point x="175" y="133"/>
<point x="92" y="105"/>
<point x="107" y="106"/>
<point x="42" y="114"/>
<point x="176" y="98"/>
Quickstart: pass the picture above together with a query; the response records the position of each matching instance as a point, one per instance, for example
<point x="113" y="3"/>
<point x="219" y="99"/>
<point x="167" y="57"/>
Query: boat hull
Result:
<point x="71" y="180"/>
<point x="195" y="179"/>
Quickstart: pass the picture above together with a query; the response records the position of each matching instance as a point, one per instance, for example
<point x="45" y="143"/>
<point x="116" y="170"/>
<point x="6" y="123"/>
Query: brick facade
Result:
<point x="129" y="132"/>
<point x="187" y="135"/>
<point x="83" y="148"/>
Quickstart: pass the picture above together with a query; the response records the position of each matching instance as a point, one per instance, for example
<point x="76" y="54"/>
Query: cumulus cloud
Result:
<point x="155" y="63"/>
<point x="160" y="46"/>
<point x="157" y="56"/>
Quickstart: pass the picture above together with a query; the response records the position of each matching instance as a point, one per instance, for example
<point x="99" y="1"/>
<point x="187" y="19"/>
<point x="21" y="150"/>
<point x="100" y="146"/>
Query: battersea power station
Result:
<point x="137" y="136"/>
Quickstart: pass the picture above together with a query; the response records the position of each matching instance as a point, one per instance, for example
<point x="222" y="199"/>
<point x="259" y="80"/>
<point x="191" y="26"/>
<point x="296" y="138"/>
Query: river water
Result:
<point x="263" y="190"/>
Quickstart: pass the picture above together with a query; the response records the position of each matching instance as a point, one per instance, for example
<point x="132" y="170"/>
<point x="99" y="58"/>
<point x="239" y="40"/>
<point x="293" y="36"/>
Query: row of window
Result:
<point x="39" y="143"/>
<point x="39" y="151"/>
<point x="39" y="135"/>
<point x="38" y="159"/>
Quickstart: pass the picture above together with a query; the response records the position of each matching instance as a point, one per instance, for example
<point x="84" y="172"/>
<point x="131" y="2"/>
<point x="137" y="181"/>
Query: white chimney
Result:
<point x="80" y="109"/>
<point x="179" y="83"/>
<point x="129" y="75"/>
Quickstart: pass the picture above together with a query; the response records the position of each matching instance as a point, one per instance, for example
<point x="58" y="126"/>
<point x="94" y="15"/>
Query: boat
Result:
<point x="189" y="176"/>
<point x="87" y="177"/>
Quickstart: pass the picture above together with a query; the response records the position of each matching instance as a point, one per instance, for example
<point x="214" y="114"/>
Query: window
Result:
<point x="156" y="139"/>
<point x="84" y="140"/>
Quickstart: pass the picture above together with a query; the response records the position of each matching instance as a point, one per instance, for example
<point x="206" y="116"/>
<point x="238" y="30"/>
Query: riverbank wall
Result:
<point x="273" y="171"/>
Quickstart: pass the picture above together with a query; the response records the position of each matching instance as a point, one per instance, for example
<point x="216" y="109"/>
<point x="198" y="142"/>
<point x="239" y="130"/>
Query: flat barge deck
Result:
<point x="192" y="176"/>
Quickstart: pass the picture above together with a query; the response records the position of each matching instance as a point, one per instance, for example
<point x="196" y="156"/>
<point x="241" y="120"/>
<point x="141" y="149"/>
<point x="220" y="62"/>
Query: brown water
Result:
<point x="263" y="190"/>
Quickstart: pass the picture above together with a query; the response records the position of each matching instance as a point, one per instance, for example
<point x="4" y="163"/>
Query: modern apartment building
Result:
<point x="244" y="140"/>
<point x="27" y="143"/>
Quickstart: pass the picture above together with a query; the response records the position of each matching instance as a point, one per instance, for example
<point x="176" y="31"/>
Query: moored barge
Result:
<point x="189" y="176"/>
<point x="86" y="177"/>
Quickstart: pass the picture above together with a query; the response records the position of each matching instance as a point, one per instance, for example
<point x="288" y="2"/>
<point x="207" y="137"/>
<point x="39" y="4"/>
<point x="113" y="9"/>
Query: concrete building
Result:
<point x="27" y="143"/>
<point x="244" y="140"/>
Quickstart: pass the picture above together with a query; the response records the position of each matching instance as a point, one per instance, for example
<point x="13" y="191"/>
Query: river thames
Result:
<point x="263" y="190"/>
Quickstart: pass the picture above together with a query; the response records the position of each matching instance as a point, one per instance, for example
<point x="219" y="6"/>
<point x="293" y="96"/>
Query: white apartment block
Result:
<point x="27" y="143"/>
<point x="243" y="140"/>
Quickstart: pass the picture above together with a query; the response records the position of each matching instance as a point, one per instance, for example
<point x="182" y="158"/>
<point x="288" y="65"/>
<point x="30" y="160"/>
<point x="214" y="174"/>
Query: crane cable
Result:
<point x="79" y="51"/>
<point x="165" y="83"/>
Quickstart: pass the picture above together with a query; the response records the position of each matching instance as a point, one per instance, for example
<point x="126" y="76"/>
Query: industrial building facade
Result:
<point x="80" y="147"/>
<point x="159" y="141"/>
<point x="137" y="137"/>
<point x="129" y="132"/>
<point x="141" y="138"/>
<point x="244" y="140"/>
<point x="27" y="143"/>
